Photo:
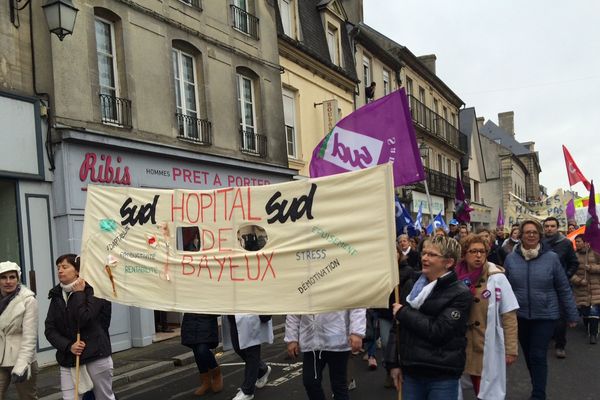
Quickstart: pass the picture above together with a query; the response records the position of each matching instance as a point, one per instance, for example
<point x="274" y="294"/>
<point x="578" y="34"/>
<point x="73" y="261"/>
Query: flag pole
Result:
<point x="429" y="201"/>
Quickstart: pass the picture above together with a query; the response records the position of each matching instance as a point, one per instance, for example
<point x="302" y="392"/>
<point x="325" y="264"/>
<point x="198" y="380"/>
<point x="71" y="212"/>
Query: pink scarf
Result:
<point x="469" y="278"/>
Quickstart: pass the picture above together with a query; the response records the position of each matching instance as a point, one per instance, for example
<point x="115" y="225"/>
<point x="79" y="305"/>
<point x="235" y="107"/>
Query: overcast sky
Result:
<point x="538" y="58"/>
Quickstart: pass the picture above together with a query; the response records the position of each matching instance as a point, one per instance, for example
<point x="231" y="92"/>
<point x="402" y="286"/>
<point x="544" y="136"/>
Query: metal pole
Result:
<point x="428" y="201"/>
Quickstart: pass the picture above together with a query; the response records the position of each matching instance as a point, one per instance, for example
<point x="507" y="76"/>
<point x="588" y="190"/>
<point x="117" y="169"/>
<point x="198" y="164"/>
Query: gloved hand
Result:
<point x="14" y="378"/>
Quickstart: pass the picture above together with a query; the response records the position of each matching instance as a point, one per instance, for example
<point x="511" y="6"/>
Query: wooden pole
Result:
<point x="397" y="298"/>
<point x="77" y="370"/>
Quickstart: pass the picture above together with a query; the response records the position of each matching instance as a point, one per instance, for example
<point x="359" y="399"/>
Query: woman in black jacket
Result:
<point x="73" y="308"/>
<point x="429" y="356"/>
<point x="200" y="332"/>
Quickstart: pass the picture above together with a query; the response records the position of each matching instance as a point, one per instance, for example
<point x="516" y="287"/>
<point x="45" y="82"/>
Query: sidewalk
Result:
<point x="132" y="365"/>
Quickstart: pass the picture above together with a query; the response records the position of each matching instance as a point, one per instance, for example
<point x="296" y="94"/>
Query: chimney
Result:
<point x="530" y="146"/>
<point x="507" y="122"/>
<point x="428" y="61"/>
<point x="480" y="121"/>
<point x="354" y="10"/>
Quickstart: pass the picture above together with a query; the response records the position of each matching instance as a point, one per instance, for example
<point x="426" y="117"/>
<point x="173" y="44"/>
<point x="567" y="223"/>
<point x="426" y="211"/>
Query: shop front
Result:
<point x="85" y="159"/>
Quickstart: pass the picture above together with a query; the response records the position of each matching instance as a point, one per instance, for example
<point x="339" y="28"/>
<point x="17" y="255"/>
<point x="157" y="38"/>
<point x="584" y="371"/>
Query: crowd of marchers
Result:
<point x="464" y="303"/>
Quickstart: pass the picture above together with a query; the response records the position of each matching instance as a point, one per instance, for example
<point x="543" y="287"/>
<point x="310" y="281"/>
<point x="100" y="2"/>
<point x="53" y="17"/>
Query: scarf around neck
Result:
<point x="421" y="291"/>
<point x="67" y="289"/>
<point x="529" y="254"/>
<point x="469" y="278"/>
<point x="5" y="301"/>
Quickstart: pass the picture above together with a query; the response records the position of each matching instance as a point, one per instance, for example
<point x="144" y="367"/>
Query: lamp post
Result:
<point x="60" y="16"/>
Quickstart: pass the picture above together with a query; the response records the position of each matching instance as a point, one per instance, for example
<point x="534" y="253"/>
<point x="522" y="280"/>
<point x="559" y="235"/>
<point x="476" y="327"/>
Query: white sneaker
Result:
<point x="262" y="381"/>
<point x="243" y="396"/>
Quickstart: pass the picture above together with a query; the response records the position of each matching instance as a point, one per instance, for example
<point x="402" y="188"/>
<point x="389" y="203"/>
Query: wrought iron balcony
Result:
<point x="254" y="143"/>
<point x="115" y="111"/>
<point x="194" y="3"/>
<point x="439" y="183"/>
<point x="194" y="129"/>
<point x="435" y="124"/>
<point x="244" y="22"/>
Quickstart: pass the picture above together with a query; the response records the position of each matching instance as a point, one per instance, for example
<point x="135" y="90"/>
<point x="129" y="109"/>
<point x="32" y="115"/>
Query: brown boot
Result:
<point x="216" y="383"/>
<point x="204" y="384"/>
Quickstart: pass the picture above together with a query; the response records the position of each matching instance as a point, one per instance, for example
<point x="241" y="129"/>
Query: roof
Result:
<point x="505" y="139"/>
<point x="405" y="56"/>
<point x="314" y="40"/>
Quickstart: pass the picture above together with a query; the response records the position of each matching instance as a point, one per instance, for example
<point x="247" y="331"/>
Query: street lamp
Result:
<point x="60" y="16"/>
<point x="423" y="150"/>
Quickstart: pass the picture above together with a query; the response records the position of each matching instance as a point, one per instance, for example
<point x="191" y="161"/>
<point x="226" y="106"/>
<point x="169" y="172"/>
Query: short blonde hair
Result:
<point x="449" y="247"/>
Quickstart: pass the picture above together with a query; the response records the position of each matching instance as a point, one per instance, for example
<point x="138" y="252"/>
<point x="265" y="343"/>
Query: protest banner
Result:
<point x="300" y="247"/>
<point x="553" y="206"/>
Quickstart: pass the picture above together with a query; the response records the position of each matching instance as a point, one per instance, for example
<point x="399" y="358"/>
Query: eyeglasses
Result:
<point x="431" y="255"/>
<point x="476" y="251"/>
<point x="531" y="233"/>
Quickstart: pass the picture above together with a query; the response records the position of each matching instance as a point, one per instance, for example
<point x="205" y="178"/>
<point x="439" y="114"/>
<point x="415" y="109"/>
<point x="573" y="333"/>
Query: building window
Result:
<point x="286" y="8"/>
<point x="440" y="162"/>
<point x="10" y="247"/>
<point x="193" y="3"/>
<point x="246" y="109"/>
<point x="243" y="21"/>
<point x="422" y="95"/>
<point x="332" y="44"/>
<point x="366" y="71"/>
<point x="386" y="82"/>
<point x="449" y="167"/>
<point x="453" y="116"/>
<point x="107" y="67"/>
<point x="476" y="191"/>
<point x="409" y="86"/>
<point x="189" y="122"/>
<point x="289" y="115"/>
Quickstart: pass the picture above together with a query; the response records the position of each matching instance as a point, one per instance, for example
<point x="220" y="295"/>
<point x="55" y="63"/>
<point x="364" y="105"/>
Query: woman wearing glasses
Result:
<point x="541" y="286"/>
<point x="492" y="327"/>
<point x="430" y="355"/>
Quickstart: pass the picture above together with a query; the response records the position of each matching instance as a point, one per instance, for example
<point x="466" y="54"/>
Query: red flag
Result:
<point x="573" y="171"/>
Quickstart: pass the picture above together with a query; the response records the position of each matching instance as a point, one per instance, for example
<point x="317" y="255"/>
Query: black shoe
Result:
<point x="167" y="330"/>
<point x="593" y="339"/>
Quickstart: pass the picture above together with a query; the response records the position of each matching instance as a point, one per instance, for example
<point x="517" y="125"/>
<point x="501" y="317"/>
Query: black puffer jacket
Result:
<point x="563" y="247"/>
<point x="83" y="311"/>
<point x="199" y="328"/>
<point x="433" y="338"/>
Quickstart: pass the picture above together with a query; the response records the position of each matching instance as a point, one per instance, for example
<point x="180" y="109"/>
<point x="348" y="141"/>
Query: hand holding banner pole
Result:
<point x="77" y="368"/>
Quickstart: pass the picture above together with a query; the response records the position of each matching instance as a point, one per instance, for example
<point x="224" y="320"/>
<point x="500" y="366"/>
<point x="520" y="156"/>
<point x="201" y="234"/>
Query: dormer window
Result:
<point x="332" y="43"/>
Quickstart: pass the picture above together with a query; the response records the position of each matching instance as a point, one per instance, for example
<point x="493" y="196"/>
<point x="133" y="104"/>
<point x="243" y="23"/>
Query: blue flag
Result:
<point x="419" y="222"/>
<point x="438" y="222"/>
<point x="404" y="222"/>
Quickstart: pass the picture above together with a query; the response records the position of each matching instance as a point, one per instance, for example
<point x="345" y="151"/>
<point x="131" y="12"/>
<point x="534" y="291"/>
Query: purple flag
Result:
<point x="500" y="219"/>
<point x="570" y="210"/>
<point x="462" y="210"/>
<point x="376" y="133"/>
<point x="592" y="230"/>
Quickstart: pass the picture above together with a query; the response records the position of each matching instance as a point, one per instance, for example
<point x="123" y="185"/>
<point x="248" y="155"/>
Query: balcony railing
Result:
<point x="193" y="3"/>
<point x="115" y="111"/>
<point x="434" y="123"/>
<point x="253" y="143"/>
<point x="439" y="183"/>
<point x="194" y="129"/>
<point x="244" y="21"/>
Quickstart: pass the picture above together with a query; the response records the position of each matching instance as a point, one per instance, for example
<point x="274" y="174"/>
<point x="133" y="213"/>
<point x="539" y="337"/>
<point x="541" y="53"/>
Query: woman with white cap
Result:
<point x="18" y="333"/>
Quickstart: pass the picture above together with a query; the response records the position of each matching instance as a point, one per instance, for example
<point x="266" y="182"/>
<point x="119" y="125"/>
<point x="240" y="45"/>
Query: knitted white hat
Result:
<point x="7" y="266"/>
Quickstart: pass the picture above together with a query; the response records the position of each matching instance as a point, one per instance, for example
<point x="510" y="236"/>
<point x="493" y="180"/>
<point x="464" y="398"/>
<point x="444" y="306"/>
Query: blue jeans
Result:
<point x="421" y="388"/>
<point x="534" y="337"/>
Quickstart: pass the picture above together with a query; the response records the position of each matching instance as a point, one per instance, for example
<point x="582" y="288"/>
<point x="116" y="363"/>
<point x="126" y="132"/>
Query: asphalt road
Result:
<point x="576" y="377"/>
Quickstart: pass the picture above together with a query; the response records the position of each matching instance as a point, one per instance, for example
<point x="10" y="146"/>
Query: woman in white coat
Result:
<point x="18" y="333"/>
<point x="244" y="333"/>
